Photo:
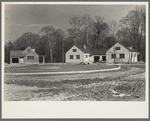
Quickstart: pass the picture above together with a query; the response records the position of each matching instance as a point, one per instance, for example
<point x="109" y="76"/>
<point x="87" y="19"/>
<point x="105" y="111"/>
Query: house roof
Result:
<point x="83" y="50"/>
<point x="17" y="53"/>
<point x="101" y="51"/>
<point x="133" y="50"/>
<point x="128" y="48"/>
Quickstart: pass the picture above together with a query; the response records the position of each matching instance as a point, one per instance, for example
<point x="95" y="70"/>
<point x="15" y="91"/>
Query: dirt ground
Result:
<point x="126" y="84"/>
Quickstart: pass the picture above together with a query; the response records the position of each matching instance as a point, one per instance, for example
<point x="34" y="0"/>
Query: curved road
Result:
<point x="123" y="72"/>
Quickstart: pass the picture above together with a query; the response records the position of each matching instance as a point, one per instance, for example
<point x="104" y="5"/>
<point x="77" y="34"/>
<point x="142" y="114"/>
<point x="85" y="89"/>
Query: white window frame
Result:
<point x="74" y="49"/>
<point x="122" y="56"/>
<point x="30" y="57"/>
<point x="113" y="56"/>
<point x="71" y="56"/>
<point x="77" y="56"/>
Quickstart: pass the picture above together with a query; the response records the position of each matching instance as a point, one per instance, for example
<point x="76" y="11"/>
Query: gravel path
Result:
<point x="122" y="72"/>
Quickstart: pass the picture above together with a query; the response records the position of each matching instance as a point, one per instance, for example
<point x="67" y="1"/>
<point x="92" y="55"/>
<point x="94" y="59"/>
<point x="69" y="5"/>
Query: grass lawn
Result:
<point x="127" y="84"/>
<point x="55" y="68"/>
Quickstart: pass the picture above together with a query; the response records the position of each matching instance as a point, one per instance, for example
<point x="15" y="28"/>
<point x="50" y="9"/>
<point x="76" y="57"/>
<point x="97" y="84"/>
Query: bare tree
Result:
<point x="113" y="27"/>
<point x="48" y="31"/>
<point x="88" y="23"/>
<point x="134" y="23"/>
<point x="59" y="39"/>
<point x="76" y="22"/>
<point x="99" y="26"/>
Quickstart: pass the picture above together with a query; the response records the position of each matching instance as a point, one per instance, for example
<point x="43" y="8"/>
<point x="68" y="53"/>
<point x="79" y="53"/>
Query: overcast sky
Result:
<point x="31" y="18"/>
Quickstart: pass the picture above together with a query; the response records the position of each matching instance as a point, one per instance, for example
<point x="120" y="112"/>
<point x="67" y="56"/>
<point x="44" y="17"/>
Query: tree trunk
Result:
<point x="51" y="55"/>
<point x="63" y="51"/>
<point x="87" y="39"/>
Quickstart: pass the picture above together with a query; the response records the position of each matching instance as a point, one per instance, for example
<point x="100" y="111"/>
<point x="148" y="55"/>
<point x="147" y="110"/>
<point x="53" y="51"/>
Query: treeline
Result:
<point x="95" y="33"/>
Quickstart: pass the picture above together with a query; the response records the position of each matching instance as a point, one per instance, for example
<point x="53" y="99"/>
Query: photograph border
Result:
<point x="29" y="104"/>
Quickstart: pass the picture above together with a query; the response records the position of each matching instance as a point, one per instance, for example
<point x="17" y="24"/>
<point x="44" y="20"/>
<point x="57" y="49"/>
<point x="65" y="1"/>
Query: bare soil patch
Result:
<point x="127" y="84"/>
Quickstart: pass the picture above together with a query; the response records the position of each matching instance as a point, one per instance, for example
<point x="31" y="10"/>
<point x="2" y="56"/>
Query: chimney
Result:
<point x="84" y="46"/>
<point x="131" y="48"/>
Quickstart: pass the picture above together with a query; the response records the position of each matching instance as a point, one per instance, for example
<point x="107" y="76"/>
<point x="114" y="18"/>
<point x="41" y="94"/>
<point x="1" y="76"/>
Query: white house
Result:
<point x="25" y="56"/>
<point x="79" y="54"/>
<point x="118" y="53"/>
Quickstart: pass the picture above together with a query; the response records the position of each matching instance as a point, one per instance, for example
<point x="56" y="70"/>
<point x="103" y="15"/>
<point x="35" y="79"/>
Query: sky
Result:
<point x="23" y="18"/>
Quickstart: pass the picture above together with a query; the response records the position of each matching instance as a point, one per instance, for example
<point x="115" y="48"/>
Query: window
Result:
<point x="86" y="56"/>
<point x="30" y="57"/>
<point x="117" y="48"/>
<point x="122" y="56"/>
<point x="74" y="50"/>
<point x="28" y="50"/>
<point x="77" y="56"/>
<point x="113" y="55"/>
<point x="71" y="56"/>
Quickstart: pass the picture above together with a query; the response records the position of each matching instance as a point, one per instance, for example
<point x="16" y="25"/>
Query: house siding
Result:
<point x="88" y="57"/>
<point x="74" y="60"/>
<point x="83" y="58"/>
<point x="32" y="53"/>
<point x="123" y="50"/>
<point x="134" y="56"/>
<point x="92" y="59"/>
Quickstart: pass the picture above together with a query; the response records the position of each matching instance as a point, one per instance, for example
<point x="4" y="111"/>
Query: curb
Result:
<point x="71" y="72"/>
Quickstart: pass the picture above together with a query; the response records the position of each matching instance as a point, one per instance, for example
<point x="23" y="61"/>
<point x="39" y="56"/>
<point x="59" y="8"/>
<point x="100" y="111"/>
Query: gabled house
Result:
<point x="119" y="53"/>
<point x="77" y="54"/>
<point x="24" y="56"/>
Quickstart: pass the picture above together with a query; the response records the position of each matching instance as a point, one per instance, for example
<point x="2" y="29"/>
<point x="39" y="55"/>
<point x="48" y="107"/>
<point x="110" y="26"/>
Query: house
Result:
<point x="98" y="54"/>
<point x="78" y="54"/>
<point x="24" y="56"/>
<point x="119" y="53"/>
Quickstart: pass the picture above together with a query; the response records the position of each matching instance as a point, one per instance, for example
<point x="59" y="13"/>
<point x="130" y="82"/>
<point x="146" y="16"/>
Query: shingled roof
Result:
<point x="101" y="51"/>
<point x="83" y="50"/>
<point x="128" y="48"/>
<point x="132" y="50"/>
<point x="17" y="53"/>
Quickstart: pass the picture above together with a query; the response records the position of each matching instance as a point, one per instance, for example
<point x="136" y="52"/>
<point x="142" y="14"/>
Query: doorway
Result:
<point x="103" y="58"/>
<point x="96" y="58"/>
<point x="21" y="60"/>
<point x="15" y="60"/>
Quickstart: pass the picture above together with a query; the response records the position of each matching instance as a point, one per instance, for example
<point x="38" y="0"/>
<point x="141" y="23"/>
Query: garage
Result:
<point x="103" y="58"/>
<point x="15" y="60"/>
<point x="96" y="58"/>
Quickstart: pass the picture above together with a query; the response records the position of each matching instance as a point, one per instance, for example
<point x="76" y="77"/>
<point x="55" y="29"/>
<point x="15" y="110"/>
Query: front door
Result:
<point x="21" y="60"/>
